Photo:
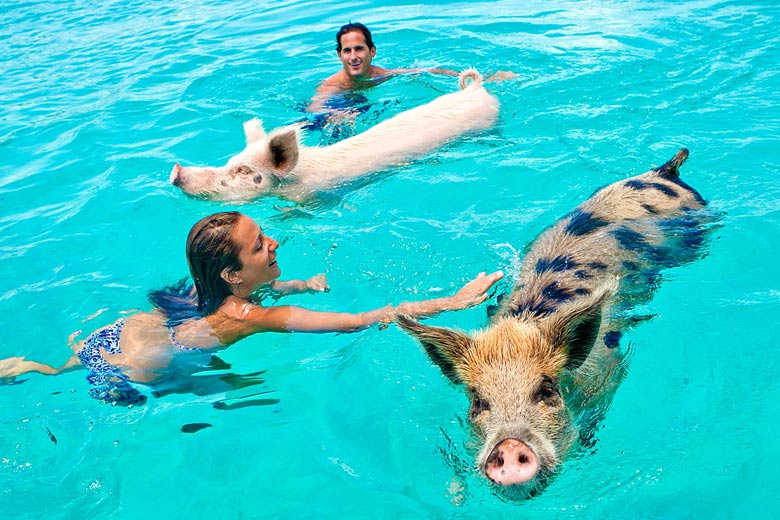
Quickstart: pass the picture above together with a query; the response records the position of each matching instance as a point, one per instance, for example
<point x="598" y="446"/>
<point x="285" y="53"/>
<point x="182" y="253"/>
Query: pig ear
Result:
<point x="253" y="130"/>
<point x="576" y="326"/>
<point x="283" y="151"/>
<point x="443" y="346"/>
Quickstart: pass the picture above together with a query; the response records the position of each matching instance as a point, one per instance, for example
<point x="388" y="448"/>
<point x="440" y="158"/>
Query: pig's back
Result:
<point x="631" y="230"/>
<point x="423" y="128"/>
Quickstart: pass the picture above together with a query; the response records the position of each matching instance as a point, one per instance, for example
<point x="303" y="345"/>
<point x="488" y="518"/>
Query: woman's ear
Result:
<point x="230" y="276"/>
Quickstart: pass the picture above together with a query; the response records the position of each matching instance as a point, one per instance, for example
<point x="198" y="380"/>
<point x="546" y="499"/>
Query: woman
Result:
<point x="229" y="259"/>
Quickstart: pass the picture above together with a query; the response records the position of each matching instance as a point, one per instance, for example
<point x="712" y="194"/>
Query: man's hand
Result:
<point x="317" y="284"/>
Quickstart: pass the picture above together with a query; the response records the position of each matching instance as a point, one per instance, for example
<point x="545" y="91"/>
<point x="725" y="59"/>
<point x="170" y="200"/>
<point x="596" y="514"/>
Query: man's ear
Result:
<point x="283" y="151"/>
<point x="444" y="347"/>
<point x="373" y="52"/>
<point x="253" y="131"/>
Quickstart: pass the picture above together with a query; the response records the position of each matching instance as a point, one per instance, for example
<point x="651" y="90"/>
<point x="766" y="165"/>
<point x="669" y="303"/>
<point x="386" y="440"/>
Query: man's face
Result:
<point x="355" y="54"/>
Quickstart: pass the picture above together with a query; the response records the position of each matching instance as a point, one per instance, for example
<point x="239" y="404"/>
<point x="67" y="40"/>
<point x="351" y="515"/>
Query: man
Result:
<point x="356" y="50"/>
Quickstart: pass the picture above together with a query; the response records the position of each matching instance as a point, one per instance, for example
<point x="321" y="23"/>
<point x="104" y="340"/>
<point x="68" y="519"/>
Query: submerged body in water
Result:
<point x="549" y="363"/>
<point x="230" y="259"/>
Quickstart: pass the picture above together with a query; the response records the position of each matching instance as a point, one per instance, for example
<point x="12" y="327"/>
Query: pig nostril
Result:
<point x="523" y="458"/>
<point x="496" y="459"/>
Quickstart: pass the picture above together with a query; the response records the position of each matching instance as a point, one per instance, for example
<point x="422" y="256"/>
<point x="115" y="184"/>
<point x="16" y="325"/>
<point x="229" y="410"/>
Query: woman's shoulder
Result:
<point x="238" y="317"/>
<point x="236" y="309"/>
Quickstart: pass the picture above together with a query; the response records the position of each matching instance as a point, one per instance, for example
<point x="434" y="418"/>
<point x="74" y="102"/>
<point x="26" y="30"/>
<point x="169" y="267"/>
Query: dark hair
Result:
<point x="351" y="27"/>
<point x="210" y="250"/>
<point x="178" y="302"/>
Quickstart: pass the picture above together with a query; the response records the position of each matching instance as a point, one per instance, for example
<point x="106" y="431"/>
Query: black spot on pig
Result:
<point x="688" y="231"/>
<point x="557" y="264"/>
<point x="582" y="275"/>
<point x="650" y="209"/>
<point x="533" y="306"/>
<point x="631" y="240"/>
<point x="638" y="185"/>
<point x="612" y="338"/>
<point x="557" y="293"/>
<point x="583" y="222"/>
<point x="635" y="184"/>
<point x="628" y="265"/>
<point x="666" y="190"/>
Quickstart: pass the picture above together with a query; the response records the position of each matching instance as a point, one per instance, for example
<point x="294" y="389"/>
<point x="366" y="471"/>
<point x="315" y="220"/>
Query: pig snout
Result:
<point x="175" y="176"/>
<point x="511" y="462"/>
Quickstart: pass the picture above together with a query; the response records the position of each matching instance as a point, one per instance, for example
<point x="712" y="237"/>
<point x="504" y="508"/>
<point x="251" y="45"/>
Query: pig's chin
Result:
<point x="226" y="195"/>
<point x="519" y="492"/>
<point x="200" y="194"/>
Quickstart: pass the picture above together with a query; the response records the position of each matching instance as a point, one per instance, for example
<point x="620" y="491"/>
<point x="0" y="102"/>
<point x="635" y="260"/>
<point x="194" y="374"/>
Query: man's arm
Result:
<point x="327" y="89"/>
<point x="433" y="70"/>
<point x="316" y="283"/>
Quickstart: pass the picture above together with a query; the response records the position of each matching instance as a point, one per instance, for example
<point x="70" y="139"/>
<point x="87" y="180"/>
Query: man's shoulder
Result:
<point x="336" y="79"/>
<point x="378" y="72"/>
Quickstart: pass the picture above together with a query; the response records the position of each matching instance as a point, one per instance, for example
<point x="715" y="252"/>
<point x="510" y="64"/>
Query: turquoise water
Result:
<point x="99" y="101"/>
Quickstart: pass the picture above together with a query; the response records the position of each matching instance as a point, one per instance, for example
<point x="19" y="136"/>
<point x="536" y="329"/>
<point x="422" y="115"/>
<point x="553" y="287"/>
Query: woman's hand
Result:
<point x="475" y="292"/>
<point x="317" y="284"/>
<point x="12" y="367"/>
<point x="471" y="294"/>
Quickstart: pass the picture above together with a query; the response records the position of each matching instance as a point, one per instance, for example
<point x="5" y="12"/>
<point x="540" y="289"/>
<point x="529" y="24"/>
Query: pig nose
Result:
<point x="511" y="462"/>
<point x="175" y="177"/>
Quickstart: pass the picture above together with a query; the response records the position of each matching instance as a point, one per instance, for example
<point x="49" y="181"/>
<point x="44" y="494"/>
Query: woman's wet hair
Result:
<point x="210" y="250"/>
<point x="351" y="27"/>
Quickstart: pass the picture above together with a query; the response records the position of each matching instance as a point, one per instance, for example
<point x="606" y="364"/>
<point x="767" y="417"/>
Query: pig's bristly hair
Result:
<point x="442" y="345"/>
<point x="576" y="325"/>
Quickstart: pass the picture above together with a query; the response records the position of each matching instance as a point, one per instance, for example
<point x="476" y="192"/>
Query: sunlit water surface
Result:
<point x="99" y="100"/>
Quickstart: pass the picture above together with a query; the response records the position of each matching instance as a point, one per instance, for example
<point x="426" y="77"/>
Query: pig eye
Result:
<point x="478" y="405"/>
<point x="257" y="178"/>
<point x="547" y="393"/>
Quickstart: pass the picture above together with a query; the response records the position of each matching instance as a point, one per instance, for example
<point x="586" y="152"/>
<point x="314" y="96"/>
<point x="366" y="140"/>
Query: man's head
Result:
<point x="354" y="27"/>
<point x="355" y="49"/>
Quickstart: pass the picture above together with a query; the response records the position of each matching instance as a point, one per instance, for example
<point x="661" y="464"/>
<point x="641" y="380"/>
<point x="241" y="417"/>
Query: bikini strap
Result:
<point x="172" y="335"/>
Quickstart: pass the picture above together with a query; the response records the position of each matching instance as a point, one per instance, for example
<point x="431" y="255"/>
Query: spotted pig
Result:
<point x="549" y="356"/>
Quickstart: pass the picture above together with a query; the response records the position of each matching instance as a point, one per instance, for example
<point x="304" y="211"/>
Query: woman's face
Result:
<point x="257" y="255"/>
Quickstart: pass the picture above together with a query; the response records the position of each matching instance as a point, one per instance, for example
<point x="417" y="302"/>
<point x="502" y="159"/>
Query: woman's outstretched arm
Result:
<point x="18" y="366"/>
<point x="297" y="319"/>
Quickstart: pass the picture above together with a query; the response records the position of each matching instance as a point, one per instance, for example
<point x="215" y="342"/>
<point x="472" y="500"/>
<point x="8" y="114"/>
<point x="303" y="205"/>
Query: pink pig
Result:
<point x="278" y="164"/>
